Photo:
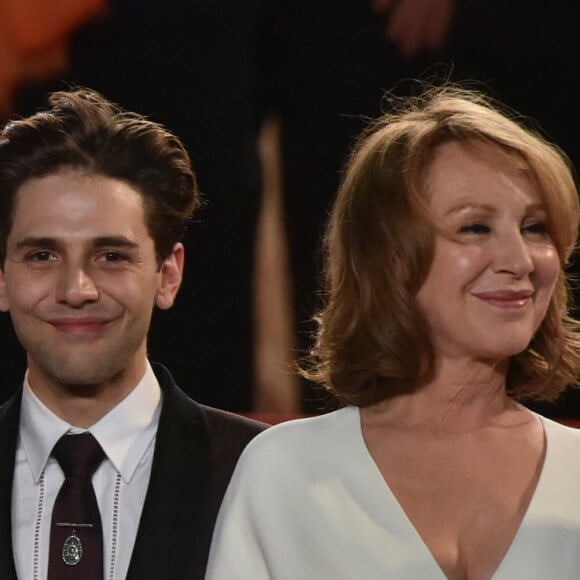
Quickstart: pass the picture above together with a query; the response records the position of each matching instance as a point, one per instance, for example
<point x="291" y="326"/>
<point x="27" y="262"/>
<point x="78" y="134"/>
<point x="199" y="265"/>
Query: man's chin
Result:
<point x="86" y="388"/>
<point x="81" y="380"/>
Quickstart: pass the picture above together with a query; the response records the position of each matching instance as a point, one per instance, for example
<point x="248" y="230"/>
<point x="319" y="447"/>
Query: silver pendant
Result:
<point x="72" y="550"/>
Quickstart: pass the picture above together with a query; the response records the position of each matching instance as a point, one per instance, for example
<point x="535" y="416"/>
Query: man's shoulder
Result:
<point x="228" y="432"/>
<point x="221" y="434"/>
<point x="10" y="411"/>
<point x="220" y="424"/>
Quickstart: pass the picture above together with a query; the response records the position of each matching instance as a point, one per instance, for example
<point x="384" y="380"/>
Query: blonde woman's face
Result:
<point x="495" y="265"/>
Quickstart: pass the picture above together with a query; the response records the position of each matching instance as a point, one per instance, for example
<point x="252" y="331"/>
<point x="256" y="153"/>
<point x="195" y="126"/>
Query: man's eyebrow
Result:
<point x="115" y="242"/>
<point x="52" y="243"/>
<point x="33" y="242"/>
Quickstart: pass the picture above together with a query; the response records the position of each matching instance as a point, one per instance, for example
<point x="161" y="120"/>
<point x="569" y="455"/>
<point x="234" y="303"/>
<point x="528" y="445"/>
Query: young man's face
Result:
<point x="80" y="281"/>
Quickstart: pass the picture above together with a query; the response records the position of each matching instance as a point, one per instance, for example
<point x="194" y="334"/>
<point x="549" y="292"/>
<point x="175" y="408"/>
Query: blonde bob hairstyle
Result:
<point x="372" y="342"/>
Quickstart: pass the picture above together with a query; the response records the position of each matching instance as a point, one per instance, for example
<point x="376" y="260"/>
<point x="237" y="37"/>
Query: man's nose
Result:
<point x="77" y="287"/>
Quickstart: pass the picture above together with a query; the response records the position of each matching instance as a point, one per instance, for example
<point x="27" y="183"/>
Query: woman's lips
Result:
<point x="506" y="298"/>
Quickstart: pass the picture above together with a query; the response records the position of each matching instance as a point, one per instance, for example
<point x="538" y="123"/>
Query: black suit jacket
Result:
<point x="196" y="450"/>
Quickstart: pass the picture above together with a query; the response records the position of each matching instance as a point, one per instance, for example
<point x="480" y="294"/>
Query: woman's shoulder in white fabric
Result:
<point x="562" y="449"/>
<point x="557" y="429"/>
<point x="301" y="441"/>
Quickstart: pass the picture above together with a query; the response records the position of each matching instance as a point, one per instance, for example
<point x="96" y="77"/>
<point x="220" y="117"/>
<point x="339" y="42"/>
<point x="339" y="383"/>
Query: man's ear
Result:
<point x="171" y="274"/>
<point x="4" y="303"/>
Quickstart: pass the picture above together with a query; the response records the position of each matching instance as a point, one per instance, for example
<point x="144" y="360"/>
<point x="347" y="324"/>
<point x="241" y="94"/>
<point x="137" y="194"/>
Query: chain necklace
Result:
<point x="114" y="528"/>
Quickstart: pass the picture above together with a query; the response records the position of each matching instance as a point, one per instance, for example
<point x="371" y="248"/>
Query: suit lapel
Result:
<point x="9" y="417"/>
<point x="165" y="546"/>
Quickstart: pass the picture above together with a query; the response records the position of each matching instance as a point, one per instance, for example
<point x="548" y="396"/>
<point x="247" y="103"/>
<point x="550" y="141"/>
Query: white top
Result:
<point x="127" y="436"/>
<point x="307" y="502"/>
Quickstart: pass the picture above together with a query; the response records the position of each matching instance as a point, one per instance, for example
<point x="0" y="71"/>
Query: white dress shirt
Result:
<point x="127" y="436"/>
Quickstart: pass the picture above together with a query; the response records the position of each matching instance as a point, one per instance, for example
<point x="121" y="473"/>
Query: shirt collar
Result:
<point x="124" y="433"/>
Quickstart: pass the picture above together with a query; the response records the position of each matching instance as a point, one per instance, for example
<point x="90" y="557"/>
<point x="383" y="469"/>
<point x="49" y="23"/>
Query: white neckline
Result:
<point x="380" y="488"/>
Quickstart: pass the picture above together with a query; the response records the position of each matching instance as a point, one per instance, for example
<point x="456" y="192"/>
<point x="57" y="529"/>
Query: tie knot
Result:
<point x="78" y="455"/>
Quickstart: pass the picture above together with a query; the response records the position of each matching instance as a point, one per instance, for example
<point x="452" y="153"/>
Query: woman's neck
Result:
<point x="463" y="396"/>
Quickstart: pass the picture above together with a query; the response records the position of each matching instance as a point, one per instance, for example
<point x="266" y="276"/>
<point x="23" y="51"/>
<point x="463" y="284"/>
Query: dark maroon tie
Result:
<point x="76" y="535"/>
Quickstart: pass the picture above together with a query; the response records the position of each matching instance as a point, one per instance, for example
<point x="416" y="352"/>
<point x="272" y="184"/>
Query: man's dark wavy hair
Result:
<point x="82" y="131"/>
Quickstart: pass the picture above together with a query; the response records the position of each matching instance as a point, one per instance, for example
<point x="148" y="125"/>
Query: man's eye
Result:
<point x="476" y="228"/>
<point x="113" y="257"/>
<point x="41" y="256"/>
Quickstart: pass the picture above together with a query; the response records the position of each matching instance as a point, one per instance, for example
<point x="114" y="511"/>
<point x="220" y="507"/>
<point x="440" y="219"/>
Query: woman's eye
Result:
<point x="476" y="228"/>
<point x="537" y="228"/>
